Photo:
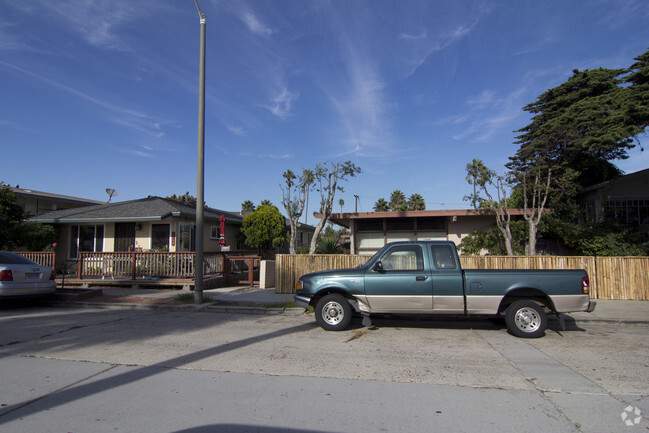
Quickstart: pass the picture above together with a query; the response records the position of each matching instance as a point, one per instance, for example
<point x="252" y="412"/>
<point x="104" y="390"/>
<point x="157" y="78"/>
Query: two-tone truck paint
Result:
<point x="425" y="278"/>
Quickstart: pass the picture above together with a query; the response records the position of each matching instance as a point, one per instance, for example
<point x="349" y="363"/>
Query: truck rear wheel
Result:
<point x="333" y="312"/>
<point x="526" y="319"/>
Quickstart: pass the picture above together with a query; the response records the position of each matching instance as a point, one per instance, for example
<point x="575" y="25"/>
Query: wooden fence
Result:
<point x="610" y="277"/>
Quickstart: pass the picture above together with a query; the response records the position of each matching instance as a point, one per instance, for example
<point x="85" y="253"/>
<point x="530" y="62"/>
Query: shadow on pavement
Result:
<point x="67" y="395"/>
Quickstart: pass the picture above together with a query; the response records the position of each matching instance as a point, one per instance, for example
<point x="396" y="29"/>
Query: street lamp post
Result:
<point x="200" y="172"/>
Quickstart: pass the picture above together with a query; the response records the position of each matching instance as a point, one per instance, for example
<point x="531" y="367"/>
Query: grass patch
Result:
<point x="188" y="298"/>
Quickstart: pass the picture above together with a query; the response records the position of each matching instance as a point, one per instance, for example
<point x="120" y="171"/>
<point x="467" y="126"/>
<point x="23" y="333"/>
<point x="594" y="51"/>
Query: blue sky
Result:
<point x="99" y="94"/>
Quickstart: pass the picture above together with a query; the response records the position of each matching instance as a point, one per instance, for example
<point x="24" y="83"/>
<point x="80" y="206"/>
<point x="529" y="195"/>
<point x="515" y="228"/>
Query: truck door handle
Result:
<point x="421" y="278"/>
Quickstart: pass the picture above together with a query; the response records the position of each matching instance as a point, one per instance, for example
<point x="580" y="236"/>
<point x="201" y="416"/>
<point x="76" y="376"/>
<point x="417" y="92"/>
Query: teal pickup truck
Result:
<point x="425" y="278"/>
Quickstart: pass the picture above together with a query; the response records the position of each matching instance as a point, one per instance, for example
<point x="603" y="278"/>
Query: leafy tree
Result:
<point x="329" y="246"/>
<point x="265" y="228"/>
<point x="492" y="241"/>
<point x="36" y="237"/>
<point x="494" y="188"/>
<point x="308" y="179"/>
<point x="381" y="205"/>
<point x="398" y="201"/>
<point x="416" y="202"/>
<point x="11" y="215"/>
<point x="186" y="198"/>
<point x="605" y="240"/>
<point x="331" y="241"/>
<point x="294" y="195"/>
<point x="586" y="122"/>
<point x="327" y="178"/>
<point x="15" y="232"/>
<point x="247" y="207"/>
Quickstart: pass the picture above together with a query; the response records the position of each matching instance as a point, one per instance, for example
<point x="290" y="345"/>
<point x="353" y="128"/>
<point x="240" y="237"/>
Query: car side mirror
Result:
<point x="378" y="267"/>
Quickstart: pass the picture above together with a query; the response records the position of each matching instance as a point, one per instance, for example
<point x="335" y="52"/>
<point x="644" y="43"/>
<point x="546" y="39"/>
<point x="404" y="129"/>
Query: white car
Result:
<point x="21" y="277"/>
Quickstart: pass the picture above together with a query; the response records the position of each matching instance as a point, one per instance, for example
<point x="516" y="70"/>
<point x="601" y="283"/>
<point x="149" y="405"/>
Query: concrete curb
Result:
<point x="209" y="307"/>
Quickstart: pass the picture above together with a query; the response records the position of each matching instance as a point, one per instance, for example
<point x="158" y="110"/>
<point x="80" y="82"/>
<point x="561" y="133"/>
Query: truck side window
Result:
<point x="443" y="257"/>
<point x="404" y="258"/>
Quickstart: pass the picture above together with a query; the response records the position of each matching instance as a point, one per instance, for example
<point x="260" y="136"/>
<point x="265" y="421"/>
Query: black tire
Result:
<point x="526" y="319"/>
<point x="333" y="312"/>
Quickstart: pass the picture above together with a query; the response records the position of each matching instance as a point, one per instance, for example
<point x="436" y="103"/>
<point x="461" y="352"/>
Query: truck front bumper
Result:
<point x="302" y="301"/>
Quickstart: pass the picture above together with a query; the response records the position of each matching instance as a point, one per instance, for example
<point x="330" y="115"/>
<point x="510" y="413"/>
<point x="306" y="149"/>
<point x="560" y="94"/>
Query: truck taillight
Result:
<point x="585" y="285"/>
<point x="53" y="276"/>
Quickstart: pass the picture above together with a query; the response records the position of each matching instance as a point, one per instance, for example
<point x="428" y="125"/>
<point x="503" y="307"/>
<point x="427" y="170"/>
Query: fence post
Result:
<point x="133" y="265"/>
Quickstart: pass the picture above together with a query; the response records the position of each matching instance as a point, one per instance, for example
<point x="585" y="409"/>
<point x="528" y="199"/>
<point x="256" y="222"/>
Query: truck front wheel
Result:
<point x="333" y="312"/>
<point x="526" y="319"/>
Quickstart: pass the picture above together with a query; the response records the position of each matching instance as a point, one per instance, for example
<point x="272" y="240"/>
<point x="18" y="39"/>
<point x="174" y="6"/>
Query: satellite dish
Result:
<point x="111" y="192"/>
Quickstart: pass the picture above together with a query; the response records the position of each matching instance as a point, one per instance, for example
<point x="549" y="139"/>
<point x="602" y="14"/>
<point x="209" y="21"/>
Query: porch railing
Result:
<point x="43" y="258"/>
<point x="136" y="265"/>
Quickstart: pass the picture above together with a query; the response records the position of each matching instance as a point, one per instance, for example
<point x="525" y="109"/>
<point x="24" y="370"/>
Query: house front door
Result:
<point x="124" y="236"/>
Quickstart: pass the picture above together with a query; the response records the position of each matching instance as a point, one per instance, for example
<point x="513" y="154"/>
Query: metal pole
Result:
<point x="200" y="171"/>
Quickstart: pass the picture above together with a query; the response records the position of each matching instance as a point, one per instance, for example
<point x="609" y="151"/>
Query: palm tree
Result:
<point x="397" y="201"/>
<point x="247" y="207"/>
<point x="265" y="203"/>
<point x="416" y="202"/>
<point x="341" y="202"/>
<point x="381" y="205"/>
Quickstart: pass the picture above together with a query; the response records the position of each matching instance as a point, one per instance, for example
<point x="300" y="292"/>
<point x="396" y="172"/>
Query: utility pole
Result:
<point x="356" y="205"/>
<point x="200" y="171"/>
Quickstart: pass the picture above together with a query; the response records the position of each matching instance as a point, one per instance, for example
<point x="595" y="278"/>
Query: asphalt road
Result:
<point x="79" y="370"/>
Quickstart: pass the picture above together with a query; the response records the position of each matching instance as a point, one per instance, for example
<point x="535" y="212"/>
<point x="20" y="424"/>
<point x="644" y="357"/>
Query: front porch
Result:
<point x="155" y="269"/>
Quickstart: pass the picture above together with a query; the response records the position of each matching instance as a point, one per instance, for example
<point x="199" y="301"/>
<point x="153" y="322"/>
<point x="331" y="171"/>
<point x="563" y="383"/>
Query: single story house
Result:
<point x="151" y="223"/>
<point x="370" y="231"/>
<point x="37" y="202"/>
<point x="624" y="201"/>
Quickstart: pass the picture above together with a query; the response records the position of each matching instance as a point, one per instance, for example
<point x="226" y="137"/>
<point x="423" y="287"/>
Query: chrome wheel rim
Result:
<point x="333" y="313"/>
<point x="527" y="320"/>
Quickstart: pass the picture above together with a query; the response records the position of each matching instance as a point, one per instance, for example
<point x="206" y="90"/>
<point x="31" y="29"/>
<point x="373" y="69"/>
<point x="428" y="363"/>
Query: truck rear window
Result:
<point x="443" y="257"/>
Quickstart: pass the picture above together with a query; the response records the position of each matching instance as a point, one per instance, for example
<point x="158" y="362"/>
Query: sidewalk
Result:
<point x="240" y="299"/>
<point x="246" y="300"/>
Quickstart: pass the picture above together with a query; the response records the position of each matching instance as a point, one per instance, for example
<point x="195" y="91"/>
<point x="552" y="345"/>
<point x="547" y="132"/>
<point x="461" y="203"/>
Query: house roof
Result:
<point x="28" y="193"/>
<point x="632" y="176"/>
<point x="344" y="219"/>
<point x="145" y="209"/>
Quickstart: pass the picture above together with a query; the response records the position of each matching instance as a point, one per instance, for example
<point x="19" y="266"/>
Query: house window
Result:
<point x="187" y="237"/>
<point x="160" y="237"/>
<point x="215" y="232"/>
<point x="86" y="238"/>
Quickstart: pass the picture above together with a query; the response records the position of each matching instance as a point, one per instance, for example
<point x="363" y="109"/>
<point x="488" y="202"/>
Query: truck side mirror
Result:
<point x="378" y="267"/>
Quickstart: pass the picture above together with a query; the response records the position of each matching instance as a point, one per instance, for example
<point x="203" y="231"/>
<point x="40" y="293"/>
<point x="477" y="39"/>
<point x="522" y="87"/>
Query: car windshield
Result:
<point x="7" y="258"/>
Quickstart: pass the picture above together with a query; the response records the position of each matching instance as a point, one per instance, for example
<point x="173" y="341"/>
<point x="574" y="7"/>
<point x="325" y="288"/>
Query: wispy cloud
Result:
<point x="280" y="104"/>
<point x="265" y="155"/>
<point x="622" y="12"/>
<point x="96" y="22"/>
<point x="418" y="46"/>
<point x="255" y="25"/>
<point x="421" y="35"/>
<point x="133" y="119"/>
<point x="237" y="130"/>
<point x="489" y="115"/>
